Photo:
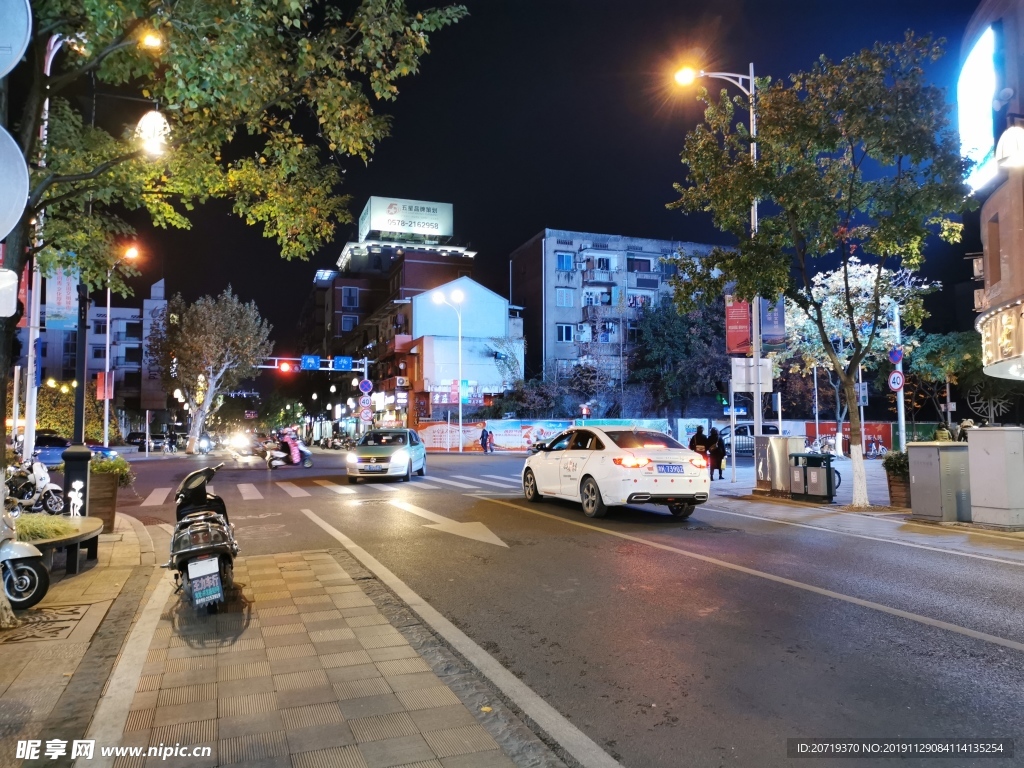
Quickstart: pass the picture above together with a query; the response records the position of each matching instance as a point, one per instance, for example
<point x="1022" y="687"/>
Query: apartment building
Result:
<point x="581" y="293"/>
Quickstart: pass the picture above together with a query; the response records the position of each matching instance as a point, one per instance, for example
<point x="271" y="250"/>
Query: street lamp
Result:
<point x="129" y="254"/>
<point x="456" y="297"/>
<point x="748" y="85"/>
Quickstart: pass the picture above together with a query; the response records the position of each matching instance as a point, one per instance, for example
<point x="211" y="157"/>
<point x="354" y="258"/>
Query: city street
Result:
<point x="703" y="642"/>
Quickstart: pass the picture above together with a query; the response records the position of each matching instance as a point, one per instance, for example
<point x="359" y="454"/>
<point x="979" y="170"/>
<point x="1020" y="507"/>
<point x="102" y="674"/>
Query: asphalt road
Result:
<point x="705" y="642"/>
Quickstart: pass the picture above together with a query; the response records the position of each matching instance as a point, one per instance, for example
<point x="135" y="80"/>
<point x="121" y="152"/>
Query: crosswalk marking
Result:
<point x="426" y="486"/>
<point x="504" y="480"/>
<point x="453" y="482"/>
<point x="485" y="482"/>
<point x="156" y="498"/>
<point x="249" y="492"/>
<point x="293" y="490"/>
<point x="333" y="487"/>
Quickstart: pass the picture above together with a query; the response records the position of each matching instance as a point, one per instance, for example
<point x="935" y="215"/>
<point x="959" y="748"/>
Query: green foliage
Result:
<point x="897" y="464"/>
<point x="681" y="354"/>
<point x="947" y="357"/>
<point x="36" y="527"/>
<point x="56" y="410"/>
<point x="116" y="466"/>
<point x="585" y="381"/>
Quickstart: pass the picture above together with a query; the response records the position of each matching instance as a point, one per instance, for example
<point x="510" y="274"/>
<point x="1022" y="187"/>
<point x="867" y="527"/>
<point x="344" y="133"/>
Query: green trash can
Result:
<point x="812" y="471"/>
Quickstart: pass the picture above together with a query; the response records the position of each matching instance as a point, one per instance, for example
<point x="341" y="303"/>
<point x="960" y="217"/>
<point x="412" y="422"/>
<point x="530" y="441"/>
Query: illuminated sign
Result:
<point x="392" y="216"/>
<point x="975" y="91"/>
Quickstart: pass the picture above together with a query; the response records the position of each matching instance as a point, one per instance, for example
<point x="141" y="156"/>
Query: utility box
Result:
<point x="997" y="476"/>
<point x="940" y="482"/>
<point x="771" y="463"/>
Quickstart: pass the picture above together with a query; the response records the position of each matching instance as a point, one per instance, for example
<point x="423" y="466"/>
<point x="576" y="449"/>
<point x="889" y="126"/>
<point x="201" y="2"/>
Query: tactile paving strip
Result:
<point x="402" y="667"/>
<point x="252" y="704"/>
<point x="291" y="652"/>
<point x="357" y="689"/>
<point x="252" y="747"/>
<point x="328" y="713"/>
<point x="460" y="741"/>
<point x="311" y="678"/>
<point x="139" y="720"/>
<point x="189" y="663"/>
<point x="283" y="629"/>
<point x="335" y="757"/>
<point x="345" y="659"/>
<point x="198" y="732"/>
<point x="148" y="683"/>
<point x="428" y="698"/>
<point x="379" y="727"/>
<point x="279" y="610"/>
<point x="187" y="694"/>
<point x="324" y="635"/>
<point x="243" y="671"/>
<point x="329" y="615"/>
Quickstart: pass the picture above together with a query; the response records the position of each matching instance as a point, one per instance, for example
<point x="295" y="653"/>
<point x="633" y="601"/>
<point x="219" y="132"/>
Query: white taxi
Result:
<point x="611" y="466"/>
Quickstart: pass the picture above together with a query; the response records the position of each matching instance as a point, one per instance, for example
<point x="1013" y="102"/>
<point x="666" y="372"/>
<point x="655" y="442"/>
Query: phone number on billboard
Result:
<point x="417" y="224"/>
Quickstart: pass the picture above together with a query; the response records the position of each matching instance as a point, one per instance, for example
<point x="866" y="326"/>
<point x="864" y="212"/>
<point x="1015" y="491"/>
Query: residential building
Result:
<point x="990" y="101"/>
<point x="581" y="293"/>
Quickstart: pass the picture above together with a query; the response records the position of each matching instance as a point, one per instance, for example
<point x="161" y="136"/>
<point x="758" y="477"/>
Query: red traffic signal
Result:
<point x="284" y="367"/>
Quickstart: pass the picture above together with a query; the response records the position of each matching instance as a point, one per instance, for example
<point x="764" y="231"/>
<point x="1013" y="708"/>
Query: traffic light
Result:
<point x="284" y="367"/>
<point x="722" y="394"/>
<point x="722" y="399"/>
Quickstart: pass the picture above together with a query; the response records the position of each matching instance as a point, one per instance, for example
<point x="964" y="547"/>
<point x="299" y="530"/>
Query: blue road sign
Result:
<point x="895" y="355"/>
<point x="310" y="363"/>
<point x="740" y="411"/>
<point x="366" y="386"/>
<point x="342" y="364"/>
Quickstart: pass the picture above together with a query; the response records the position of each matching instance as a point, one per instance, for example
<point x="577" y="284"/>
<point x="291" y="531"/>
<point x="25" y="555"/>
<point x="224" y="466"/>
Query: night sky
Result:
<point x="555" y="113"/>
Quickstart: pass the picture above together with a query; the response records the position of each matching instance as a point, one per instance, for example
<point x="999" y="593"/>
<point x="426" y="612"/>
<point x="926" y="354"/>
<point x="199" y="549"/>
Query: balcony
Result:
<point x="600" y="276"/>
<point x="594" y="312"/>
<point x="647" y="280"/>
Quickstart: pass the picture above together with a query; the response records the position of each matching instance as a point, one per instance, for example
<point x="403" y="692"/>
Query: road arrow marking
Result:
<point x="475" y="531"/>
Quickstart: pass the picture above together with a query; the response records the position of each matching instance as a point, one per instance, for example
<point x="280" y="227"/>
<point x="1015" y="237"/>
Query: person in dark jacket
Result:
<point x="716" y="453"/>
<point x="700" y="443"/>
<point x="483" y="439"/>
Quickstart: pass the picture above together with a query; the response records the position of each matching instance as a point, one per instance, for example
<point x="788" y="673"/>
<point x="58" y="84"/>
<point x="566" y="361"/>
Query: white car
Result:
<point x="602" y="468"/>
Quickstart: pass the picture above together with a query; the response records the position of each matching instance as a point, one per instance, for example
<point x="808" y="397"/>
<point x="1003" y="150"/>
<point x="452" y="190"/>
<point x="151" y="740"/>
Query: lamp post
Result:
<point x="130" y="253"/>
<point x="456" y="297"/>
<point x="748" y="85"/>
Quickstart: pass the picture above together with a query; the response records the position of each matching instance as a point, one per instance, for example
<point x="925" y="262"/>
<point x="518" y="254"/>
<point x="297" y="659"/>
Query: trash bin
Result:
<point x="940" y="481"/>
<point x="811" y="477"/>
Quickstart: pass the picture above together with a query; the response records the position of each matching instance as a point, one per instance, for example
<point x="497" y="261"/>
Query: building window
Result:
<point x="97" y="353"/>
<point x="638" y="265"/>
<point x="133" y="331"/>
<point x="100" y="327"/>
<point x="994" y="268"/>
<point x="349" y="297"/>
<point x="589" y="299"/>
<point x="632" y="333"/>
<point x="349" y="323"/>
<point x="564" y="262"/>
<point x="42" y="349"/>
<point x="563" y="297"/>
<point x="564" y="331"/>
<point x="133" y="355"/>
<point x="603" y="262"/>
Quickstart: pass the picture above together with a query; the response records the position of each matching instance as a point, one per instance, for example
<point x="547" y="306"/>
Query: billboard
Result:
<point x="394" y="216"/>
<point x="737" y="326"/>
<point x="773" y="326"/>
<point x="975" y="90"/>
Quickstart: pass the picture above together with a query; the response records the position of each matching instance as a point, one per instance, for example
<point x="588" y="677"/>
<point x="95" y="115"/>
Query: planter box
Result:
<point x="899" y="491"/>
<point x="103" y="499"/>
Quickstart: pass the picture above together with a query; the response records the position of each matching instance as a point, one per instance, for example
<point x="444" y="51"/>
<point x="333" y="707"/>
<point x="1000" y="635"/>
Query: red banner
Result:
<point x="737" y="327"/>
<point x="107" y="389"/>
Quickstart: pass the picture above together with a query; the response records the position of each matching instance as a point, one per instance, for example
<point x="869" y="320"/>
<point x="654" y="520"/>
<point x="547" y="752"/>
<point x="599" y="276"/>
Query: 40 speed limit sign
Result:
<point x="895" y="381"/>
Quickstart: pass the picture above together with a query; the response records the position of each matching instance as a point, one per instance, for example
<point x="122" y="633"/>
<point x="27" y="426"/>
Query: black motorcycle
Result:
<point x="203" y="547"/>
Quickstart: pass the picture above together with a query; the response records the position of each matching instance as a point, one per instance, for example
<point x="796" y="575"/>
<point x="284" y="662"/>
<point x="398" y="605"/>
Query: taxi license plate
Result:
<point x="671" y="469"/>
<point x="374" y="468"/>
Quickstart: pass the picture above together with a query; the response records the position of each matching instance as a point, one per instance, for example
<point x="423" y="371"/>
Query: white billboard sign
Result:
<point x="744" y="374"/>
<point x="410" y="217"/>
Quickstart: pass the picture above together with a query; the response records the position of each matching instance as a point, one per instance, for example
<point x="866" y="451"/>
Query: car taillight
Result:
<point x="700" y="462"/>
<point x="631" y="462"/>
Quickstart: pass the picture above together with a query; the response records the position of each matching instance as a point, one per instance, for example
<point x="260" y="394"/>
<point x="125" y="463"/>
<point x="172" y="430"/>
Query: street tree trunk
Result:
<point x="860" y="479"/>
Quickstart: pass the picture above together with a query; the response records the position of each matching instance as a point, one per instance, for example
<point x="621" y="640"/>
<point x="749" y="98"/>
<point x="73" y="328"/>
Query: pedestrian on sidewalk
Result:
<point x="965" y="426"/>
<point x="942" y="434"/>
<point x="483" y="439"/>
<point x="699" y="443"/>
<point x="716" y="453"/>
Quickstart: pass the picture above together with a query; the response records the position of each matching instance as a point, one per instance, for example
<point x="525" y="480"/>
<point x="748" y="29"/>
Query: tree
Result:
<point x="208" y="347"/>
<point x="944" y="359"/>
<point x="56" y="411"/>
<point x="263" y="98"/>
<point x="680" y="353"/>
<point x="857" y="160"/>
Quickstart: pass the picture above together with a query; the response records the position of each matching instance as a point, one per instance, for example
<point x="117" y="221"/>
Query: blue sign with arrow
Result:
<point x="310" y="363"/>
<point x="342" y="364"/>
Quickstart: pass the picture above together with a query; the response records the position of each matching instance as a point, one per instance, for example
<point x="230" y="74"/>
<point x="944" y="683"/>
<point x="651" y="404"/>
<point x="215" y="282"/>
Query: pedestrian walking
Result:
<point x="965" y="426"/>
<point x="483" y="439"/>
<point x="716" y="453"/>
<point x="172" y="441"/>
<point x="699" y="443"/>
<point x="942" y="434"/>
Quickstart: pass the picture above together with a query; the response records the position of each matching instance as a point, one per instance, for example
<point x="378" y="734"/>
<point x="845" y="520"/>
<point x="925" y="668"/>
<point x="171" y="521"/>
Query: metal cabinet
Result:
<point x="997" y="476"/>
<point x="940" y="482"/>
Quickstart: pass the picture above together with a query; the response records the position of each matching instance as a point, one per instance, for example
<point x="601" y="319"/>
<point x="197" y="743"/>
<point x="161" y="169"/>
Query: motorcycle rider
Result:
<point x="291" y="446"/>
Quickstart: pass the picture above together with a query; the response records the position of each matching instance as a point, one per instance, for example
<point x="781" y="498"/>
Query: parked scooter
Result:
<point x="203" y="547"/>
<point x="25" y="578"/>
<point x="296" y="453"/>
<point x="31" y="487"/>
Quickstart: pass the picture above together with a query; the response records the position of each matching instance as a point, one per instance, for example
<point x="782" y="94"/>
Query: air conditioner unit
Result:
<point x="979" y="268"/>
<point x="580" y="327"/>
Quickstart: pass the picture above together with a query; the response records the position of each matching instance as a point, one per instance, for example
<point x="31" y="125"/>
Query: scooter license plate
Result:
<point x="204" y="578"/>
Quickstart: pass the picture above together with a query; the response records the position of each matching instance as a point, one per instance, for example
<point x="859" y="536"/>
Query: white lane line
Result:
<point x="456" y="484"/>
<point x="518" y="477"/>
<point x="504" y="486"/>
<point x="249" y="492"/>
<point x="111" y="715"/>
<point x="869" y="538"/>
<point x="515" y="482"/>
<point x="426" y="486"/>
<point x="156" y="497"/>
<point x="586" y="752"/>
<point x="984" y="636"/>
<point x="342" y="489"/>
<point x="293" y="490"/>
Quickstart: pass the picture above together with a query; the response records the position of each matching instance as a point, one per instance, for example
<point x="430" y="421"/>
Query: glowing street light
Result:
<point x="686" y="76"/>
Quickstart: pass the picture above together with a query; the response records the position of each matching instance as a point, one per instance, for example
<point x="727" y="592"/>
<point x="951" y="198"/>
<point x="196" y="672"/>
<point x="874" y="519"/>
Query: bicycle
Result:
<point x="876" y="450"/>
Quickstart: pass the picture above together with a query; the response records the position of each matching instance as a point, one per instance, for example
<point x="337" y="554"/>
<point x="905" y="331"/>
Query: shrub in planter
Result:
<point x="897" y="475"/>
<point x="106" y="476"/>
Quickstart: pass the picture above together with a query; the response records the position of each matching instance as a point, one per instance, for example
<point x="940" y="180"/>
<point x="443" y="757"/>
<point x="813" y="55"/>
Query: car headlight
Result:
<point x="239" y="441"/>
<point x="400" y="456"/>
<point x="351" y="458"/>
<point x="204" y="443"/>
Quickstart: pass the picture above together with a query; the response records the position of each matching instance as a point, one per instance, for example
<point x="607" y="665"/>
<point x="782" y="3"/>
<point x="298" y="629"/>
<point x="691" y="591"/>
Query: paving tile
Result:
<point x="366" y="620"/>
<point x="311" y="678"/>
<point x="240" y="646"/>
<point x="267" y="597"/>
<point x="370" y="706"/>
<point x="495" y="759"/>
<point x="294" y="638"/>
<point x="232" y="688"/>
<point x="337" y="646"/>
<point x="463" y="740"/>
<point x="291" y="652"/>
<point x="402" y="666"/>
<point x="344" y="659"/>
<point x="233" y="658"/>
<point x="190" y="663"/>
<point x="318" y="600"/>
<point x="359" y="689"/>
<point x="284" y="629"/>
<point x="340" y="587"/>
<point x="409" y="682"/>
<point x="325" y="713"/>
<point x="291" y="617"/>
<point x="304" y="696"/>
<point x="148" y="683"/>
<point x="301" y="664"/>
<point x="247" y="725"/>
<point x="186" y="653"/>
<point x="139" y="720"/>
<point x="426" y="698"/>
<point x="283" y="600"/>
<point x="297" y="592"/>
<point x="388" y="654"/>
<point x="380" y="727"/>
<point x="145" y="700"/>
<point x="249" y="748"/>
<point x="187" y="694"/>
<point x="375" y="629"/>
<point x="354" y="672"/>
<point x="185" y="713"/>
<point x="196" y="732"/>
<point x="317" y="737"/>
<point x="250" y="704"/>
<point x="393" y="752"/>
<point x="333" y="614"/>
<point x="362" y="610"/>
<point x="442" y="717"/>
<point x="336" y="622"/>
<point x="383" y="641"/>
<point x="352" y="600"/>
<point x="335" y="757"/>
<point x="243" y="671"/>
<point x="277" y="761"/>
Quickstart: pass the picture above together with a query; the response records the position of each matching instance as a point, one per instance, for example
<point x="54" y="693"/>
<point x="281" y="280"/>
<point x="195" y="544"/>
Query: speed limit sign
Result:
<point x="895" y="381"/>
<point x="365" y="401"/>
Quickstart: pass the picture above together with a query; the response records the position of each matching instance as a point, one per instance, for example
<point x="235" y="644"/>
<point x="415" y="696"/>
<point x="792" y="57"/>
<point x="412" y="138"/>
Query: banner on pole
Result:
<point x="104" y="386"/>
<point x="737" y="326"/>
<point x="62" y="301"/>
<point x="773" y="326"/>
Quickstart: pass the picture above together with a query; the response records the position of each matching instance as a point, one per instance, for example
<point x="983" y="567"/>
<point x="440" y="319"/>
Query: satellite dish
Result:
<point x="14" y="190"/>
<point x="15" y="32"/>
